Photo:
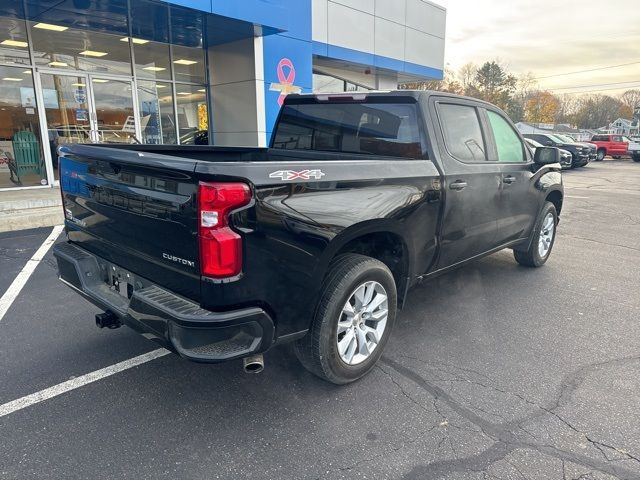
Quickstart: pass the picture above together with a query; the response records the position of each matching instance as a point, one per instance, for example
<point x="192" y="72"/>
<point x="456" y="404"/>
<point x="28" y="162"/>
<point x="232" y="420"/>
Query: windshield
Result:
<point x="564" y="138"/>
<point x="556" y="139"/>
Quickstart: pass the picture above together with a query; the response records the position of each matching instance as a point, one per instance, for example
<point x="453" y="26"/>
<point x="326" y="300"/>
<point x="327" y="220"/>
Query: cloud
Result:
<point x="546" y="37"/>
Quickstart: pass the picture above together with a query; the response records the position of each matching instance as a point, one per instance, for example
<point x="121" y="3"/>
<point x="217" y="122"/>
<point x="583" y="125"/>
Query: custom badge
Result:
<point x="286" y="175"/>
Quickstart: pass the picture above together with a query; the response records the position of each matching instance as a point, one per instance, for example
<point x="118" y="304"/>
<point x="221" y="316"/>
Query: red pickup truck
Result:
<point x="614" y="145"/>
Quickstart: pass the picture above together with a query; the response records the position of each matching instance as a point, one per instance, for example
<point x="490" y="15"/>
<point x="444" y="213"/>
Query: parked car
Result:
<point x="580" y="153"/>
<point x="593" y="148"/>
<point x="220" y="253"/>
<point x="634" y="149"/>
<point x="565" y="155"/>
<point x="614" y="145"/>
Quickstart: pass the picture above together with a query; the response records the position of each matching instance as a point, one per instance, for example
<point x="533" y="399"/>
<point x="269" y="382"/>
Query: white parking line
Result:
<point x="78" y="382"/>
<point x="573" y="196"/>
<point x="20" y="281"/>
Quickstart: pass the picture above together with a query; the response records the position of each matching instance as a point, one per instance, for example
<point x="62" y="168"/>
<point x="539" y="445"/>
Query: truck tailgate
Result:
<point x="136" y="210"/>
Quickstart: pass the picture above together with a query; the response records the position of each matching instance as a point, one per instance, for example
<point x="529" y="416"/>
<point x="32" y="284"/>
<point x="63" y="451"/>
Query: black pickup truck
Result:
<point x="221" y="253"/>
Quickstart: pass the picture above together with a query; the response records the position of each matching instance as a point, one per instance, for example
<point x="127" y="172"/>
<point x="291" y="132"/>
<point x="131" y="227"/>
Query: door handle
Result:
<point x="458" y="185"/>
<point x="509" y="179"/>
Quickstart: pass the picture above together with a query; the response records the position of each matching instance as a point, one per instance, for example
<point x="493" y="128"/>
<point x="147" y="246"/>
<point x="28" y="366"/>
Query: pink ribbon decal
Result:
<point x="286" y="76"/>
<point x="291" y="76"/>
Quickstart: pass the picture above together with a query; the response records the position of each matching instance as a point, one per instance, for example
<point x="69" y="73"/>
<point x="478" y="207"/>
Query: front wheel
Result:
<point x="544" y="235"/>
<point x="636" y="158"/>
<point x="353" y="320"/>
<point x="601" y="154"/>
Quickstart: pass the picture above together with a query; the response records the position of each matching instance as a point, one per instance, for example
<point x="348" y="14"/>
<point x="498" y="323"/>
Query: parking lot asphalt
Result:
<point x="493" y="371"/>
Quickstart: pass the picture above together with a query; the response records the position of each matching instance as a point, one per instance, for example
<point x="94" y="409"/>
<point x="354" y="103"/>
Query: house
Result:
<point x="622" y="126"/>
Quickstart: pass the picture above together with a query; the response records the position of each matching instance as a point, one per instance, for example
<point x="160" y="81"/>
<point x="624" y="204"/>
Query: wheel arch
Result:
<point x="376" y="239"/>
<point x="556" y="197"/>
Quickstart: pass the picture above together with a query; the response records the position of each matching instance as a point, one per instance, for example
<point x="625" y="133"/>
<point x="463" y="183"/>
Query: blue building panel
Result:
<point x="288" y="66"/>
<point x="292" y="17"/>
<point x="423" y="71"/>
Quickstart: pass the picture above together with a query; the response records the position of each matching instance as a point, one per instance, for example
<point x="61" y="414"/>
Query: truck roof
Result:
<point x="424" y="94"/>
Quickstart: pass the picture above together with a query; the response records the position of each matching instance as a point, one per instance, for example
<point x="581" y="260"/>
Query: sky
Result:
<point x="550" y="37"/>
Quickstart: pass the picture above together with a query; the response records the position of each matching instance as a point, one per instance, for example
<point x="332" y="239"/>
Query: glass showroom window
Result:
<point x="192" y="114"/>
<point x="21" y="153"/>
<point x="157" y="120"/>
<point x="60" y="47"/>
<point x="152" y="59"/>
<point x="14" y="46"/>
<point x="188" y="64"/>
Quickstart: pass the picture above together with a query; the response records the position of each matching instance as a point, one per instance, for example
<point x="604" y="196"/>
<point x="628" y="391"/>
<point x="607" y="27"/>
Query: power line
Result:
<point x="585" y="71"/>
<point x="593" y="85"/>
<point x="601" y="89"/>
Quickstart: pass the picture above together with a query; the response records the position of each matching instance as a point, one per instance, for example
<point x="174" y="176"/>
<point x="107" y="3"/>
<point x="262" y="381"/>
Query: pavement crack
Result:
<point x="406" y="395"/>
<point x="600" y="242"/>
<point x="502" y="434"/>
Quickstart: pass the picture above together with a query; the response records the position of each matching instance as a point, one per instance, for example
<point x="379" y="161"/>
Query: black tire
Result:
<point x="532" y="257"/>
<point x="318" y="350"/>
<point x="636" y="158"/>
<point x="601" y="154"/>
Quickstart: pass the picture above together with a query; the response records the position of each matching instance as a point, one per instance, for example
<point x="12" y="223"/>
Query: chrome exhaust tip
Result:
<point x="253" y="364"/>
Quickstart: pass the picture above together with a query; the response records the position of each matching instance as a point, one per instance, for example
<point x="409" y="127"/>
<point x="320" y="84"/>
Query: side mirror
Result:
<point x="549" y="143"/>
<point x="546" y="155"/>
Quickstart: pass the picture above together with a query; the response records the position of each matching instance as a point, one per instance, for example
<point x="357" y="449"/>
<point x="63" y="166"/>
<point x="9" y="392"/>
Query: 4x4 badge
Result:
<point x="284" y="175"/>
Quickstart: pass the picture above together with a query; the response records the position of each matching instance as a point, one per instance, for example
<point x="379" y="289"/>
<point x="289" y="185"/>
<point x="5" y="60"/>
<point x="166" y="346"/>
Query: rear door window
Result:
<point x="387" y="129"/>
<point x="462" y="132"/>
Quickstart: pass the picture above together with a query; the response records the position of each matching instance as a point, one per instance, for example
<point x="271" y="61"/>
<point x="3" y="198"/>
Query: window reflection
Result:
<point x="158" y="123"/>
<point x="152" y="59"/>
<point x="21" y="154"/>
<point x="72" y="49"/>
<point x="14" y="47"/>
<point x="192" y="113"/>
<point x="188" y="64"/>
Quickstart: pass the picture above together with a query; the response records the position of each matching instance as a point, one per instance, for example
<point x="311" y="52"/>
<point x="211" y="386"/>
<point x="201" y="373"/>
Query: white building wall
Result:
<point x="405" y="30"/>
<point x="237" y="93"/>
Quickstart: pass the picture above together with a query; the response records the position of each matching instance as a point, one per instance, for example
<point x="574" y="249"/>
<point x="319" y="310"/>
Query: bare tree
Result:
<point x="467" y="75"/>
<point x="595" y="111"/>
<point x="631" y="100"/>
<point x="567" y="104"/>
<point x="447" y="84"/>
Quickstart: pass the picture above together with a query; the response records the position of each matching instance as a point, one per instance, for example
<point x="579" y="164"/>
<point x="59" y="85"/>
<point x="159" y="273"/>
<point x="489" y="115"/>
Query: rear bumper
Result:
<point x="173" y="321"/>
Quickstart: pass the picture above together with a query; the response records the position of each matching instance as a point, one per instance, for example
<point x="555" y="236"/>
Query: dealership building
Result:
<point x="190" y="71"/>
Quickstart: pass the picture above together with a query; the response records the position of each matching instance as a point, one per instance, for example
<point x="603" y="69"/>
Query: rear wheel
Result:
<point x="352" y="322"/>
<point x="544" y="235"/>
<point x="636" y="158"/>
<point x="601" y="154"/>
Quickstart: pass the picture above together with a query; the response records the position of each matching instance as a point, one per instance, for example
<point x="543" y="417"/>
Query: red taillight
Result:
<point x="220" y="247"/>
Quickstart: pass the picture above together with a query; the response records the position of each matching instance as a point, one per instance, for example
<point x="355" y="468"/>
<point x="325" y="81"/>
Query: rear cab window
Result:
<point x="377" y="126"/>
